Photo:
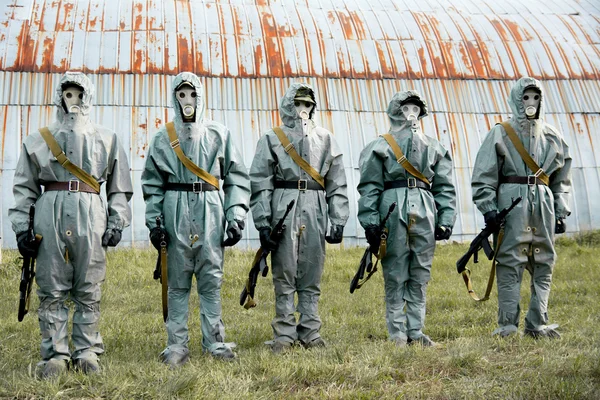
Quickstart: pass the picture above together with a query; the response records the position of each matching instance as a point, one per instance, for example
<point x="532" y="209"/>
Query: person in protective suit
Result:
<point x="426" y="211"/>
<point x="194" y="214"/>
<point x="76" y="223"/>
<point x="500" y="174"/>
<point x="297" y="261"/>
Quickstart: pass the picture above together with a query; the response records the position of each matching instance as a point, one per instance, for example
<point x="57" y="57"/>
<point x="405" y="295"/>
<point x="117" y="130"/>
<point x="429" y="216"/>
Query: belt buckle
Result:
<point x="412" y="183"/>
<point x="531" y="180"/>
<point x="73" y="185"/>
<point x="197" y="187"/>
<point x="302" y="184"/>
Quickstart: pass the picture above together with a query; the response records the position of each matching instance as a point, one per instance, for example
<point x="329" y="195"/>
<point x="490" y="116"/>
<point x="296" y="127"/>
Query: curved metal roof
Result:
<point x="462" y="55"/>
<point x="377" y="39"/>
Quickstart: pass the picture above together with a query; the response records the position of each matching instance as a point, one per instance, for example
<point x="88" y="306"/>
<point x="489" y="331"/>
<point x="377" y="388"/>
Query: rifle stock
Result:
<point x="259" y="263"/>
<point x="27" y="270"/>
<point x="366" y="262"/>
<point x="161" y="272"/>
<point x="481" y="242"/>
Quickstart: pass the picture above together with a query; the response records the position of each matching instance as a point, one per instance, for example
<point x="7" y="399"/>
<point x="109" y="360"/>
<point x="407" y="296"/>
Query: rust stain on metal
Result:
<point x="185" y="60"/>
<point x="514" y="29"/>
<point x="138" y="20"/>
<point x="477" y="56"/>
<point x="268" y="24"/>
<point x="258" y="57"/>
<point x="387" y="69"/>
<point x="345" y="21"/>
<point x="358" y="25"/>
<point x="274" y="56"/>
<point x="157" y="122"/>
<point x="452" y="67"/>
<point x="499" y="26"/>
<point x="137" y="61"/>
<point x="68" y="9"/>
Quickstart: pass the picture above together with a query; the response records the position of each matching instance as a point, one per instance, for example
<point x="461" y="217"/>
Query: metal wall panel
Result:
<point x="283" y="38"/>
<point x="462" y="112"/>
<point x="462" y="55"/>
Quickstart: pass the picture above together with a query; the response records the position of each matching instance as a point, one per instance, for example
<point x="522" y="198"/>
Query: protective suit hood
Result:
<point x="394" y="109"/>
<point x="515" y="99"/>
<point x="195" y="82"/>
<point x="79" y="79"/>
<point x="287" y="109"/>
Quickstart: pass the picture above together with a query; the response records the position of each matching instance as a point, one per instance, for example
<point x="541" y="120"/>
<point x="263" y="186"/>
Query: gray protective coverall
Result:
<point x="71" y="222"/>
<point x="297" y="264"/>
<point x="411" y="243"/>
<point x="209" y="145"/>
<point x="529" y="231"/>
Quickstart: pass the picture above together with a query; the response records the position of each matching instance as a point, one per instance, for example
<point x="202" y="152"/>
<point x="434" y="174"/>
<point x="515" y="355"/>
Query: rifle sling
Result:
<point x="402" y="160"/>
<point x="189" y="164"/>
<point x="533" y="166"/>
<point x="289" y="148"/>
<point x="62" y="159"/>
<point x="466" y="274"/>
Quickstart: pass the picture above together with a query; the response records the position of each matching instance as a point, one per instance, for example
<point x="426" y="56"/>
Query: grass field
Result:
<point x="359" y="362"/>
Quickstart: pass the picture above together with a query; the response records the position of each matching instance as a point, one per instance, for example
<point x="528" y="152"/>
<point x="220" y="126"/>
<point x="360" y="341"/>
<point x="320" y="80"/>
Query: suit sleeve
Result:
<point x="336" y="187"/>
<point x="26" y="190"/>
<point x="262" y="180"/>
<point x="236" y="185"/>
<point x="370" y="186"/>
<point x="443" y="190"/>
<point x="153" y="182"/>
<point x="119" y="188"/>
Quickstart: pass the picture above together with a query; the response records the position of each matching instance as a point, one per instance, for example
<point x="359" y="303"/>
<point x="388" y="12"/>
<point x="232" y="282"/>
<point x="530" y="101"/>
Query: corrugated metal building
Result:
<point x="462" y="55"/>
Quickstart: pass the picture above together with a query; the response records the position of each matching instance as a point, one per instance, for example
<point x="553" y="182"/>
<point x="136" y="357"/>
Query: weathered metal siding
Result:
<point x="463" y="56"/>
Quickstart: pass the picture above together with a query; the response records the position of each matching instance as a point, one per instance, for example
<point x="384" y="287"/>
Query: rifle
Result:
<point x="160" y="272"/>
<point x="366" y="262"/>
<point x="481" y="242"/>
<point x="28" y="269"/>
<point x="259" y="264"/>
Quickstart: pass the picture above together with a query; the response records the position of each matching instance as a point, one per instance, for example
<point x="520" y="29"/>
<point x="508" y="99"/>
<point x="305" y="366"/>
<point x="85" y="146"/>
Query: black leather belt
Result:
<point x="411" y="183"/>
<point x="70" y="186"/>
<point x="195" y="187"/>
<point x="522" y="180"/>
<point x="302" y="184"/>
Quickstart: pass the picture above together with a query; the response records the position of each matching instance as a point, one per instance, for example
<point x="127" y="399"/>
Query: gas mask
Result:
<point x="186" y="96"/>
<point x="304" y="105"/>
<point x="303" y="108"/>
<point x="531" y="101"/>
<point x="411" y="111"/>
<point x="72" y="98"/>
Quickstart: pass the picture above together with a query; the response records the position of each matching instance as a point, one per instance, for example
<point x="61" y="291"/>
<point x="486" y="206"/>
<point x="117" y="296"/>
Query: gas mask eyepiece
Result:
<point x="531" y="101"/>
<point x="187" y="98"/>
<point x="72" y="96"/>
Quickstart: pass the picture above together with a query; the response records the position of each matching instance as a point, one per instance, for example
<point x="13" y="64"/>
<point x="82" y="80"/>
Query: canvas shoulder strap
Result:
<point x="289" y="148"/>
<point x="189" y="164"/>
<point x="65" y="162"/>
<point x="402" y="160"/>
<point x="537" y="171"/>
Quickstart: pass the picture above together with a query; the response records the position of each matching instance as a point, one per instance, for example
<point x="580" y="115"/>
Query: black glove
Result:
<point x="111" y="237"/>
<point x="266" y="242"/>
<point x="560" y="226"/>
<point x="234" y="232"/>
<point x="155" y="234"/>
<point x="26" y="247"/>
<point x="373" y="234"/>
<point x="443" y="232"/>
<point x="336" y="233"/>
<point x="491" y="220"/>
